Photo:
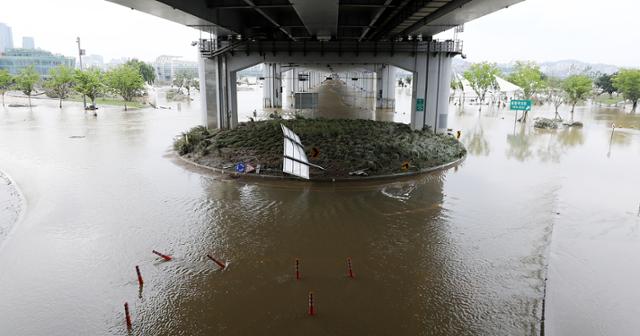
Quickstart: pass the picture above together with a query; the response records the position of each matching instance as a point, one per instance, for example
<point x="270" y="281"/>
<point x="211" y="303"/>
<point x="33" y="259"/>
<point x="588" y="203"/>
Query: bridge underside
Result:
<point x="429" y="62"/>
<point x="360" y="20"/>
<point x="377" y="35"/>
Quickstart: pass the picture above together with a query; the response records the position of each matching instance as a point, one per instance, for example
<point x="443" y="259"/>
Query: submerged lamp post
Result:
<point x="80" y="53"/>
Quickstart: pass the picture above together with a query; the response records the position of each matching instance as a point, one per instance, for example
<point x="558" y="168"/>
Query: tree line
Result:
<point x="557" y="91"/>
<point x="127" y="81"/>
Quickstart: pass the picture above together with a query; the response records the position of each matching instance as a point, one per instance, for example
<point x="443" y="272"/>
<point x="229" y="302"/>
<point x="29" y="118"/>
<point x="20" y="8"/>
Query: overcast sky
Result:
<point x="540" y="30"/>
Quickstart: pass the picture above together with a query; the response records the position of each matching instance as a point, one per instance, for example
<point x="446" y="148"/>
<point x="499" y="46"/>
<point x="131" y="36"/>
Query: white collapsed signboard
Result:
<point x="295" y="160"/>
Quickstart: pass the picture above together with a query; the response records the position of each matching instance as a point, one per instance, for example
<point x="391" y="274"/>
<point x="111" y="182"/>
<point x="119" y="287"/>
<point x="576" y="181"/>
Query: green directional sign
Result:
<point x="520" y="105"/>
<point x="420" y="105"/>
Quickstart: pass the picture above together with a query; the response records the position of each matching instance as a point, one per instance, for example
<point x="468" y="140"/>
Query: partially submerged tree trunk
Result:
<point x="125" y="105"/>
<point x="60" y="102"/>
<point x="635" y="104"/>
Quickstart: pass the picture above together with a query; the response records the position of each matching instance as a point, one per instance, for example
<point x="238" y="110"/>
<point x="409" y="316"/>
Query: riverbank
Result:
<point x="11" y="204"/>
<point x="345" y="148"/>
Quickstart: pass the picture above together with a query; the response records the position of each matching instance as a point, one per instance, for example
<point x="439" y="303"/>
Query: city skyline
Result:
<point x="526" y="31"/>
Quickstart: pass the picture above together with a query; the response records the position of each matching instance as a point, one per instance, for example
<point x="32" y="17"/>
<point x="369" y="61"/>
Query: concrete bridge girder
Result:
<point x="430" y="86"/>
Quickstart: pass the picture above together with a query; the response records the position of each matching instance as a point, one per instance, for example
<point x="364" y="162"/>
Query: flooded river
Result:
<point x="460" y="252"/>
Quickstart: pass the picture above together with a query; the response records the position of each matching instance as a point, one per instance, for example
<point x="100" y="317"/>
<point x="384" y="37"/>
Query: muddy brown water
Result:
<point x="459" y="252"/>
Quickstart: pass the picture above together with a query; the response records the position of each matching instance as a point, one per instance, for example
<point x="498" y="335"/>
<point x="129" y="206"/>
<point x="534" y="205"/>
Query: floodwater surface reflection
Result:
<point x="459" y="252"/>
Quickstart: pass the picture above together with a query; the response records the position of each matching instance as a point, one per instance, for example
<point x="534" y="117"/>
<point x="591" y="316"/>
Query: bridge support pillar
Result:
<point x="272" y="89"/>
<point x="430" y="91"/>
<point x="385" y="86"/>
<point x="219" y="102"/>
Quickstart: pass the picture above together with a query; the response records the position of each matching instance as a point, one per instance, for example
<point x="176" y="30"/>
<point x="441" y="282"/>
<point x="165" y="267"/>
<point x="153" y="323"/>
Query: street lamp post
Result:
<point x="80" y="53"/>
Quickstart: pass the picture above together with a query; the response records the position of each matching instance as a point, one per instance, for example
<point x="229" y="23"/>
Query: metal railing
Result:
<point x="214" y="47"/>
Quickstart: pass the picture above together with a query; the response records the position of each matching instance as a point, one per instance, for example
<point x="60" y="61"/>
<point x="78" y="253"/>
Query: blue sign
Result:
<point x="240" y="167"/>
<point x="520" y="105"/>
<point x="420" y="105"/>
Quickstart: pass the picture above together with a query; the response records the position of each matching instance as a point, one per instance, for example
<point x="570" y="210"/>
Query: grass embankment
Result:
<point x="108" y="101"/>
<point x="606" y="100"/>
<point x="344" y="146"/>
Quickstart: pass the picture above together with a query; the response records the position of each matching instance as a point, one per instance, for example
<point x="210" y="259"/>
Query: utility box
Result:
<point x="305" y="100"/>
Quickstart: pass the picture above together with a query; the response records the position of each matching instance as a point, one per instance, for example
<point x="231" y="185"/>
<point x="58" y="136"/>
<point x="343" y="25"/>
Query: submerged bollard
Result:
<point x="127" y="316"/>
<point x="312" y="309"/>
<point x="297" y="269"/>
<point x="349" y="268"/>
<point x="221" y="265"/>
<point x="140" y="281"/>
<point x="163" y="256"/>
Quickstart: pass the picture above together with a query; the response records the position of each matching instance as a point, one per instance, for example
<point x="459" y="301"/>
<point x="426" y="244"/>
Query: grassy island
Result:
<point x="341" y="146"/>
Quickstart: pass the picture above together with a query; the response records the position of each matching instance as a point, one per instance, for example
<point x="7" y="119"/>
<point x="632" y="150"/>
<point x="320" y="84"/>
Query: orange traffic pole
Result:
<point x="163" y="256"/>
<point x="312" y="309"/>
<point x="350" y="269"/>
<point x="140" y="281"/>
<point x="127" y="316"/>
<point x="220" y="264"/>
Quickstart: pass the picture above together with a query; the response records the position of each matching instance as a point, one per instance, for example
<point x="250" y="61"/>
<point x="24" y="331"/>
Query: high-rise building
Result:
<point x="168" y="66"/>
<point x="92" y="61"/>
<point x="14" y="60"/>
<point x="6" y="37"/>
<point x="28" y="43"/>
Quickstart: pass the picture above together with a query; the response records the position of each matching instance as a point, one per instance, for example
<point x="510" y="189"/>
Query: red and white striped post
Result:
<point x="220" y="264"/>
<point x="127" y="316"/>
<point x="312" y="308"/>
<point x="297" y="269"/>
<point x="163" y="256"/>
<point x="350" y="269"/>
<point x="140" y="281"/>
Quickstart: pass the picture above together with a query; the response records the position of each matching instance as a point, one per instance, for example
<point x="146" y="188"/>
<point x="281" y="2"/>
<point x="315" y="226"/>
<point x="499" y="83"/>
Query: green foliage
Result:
<point x="577" y="88"/>
<point x="456" y="84"/>
<point x="482" y="77"/>
<point x="60" y="82"/>
<point x="26" y="81"/>
<point x="147" y="71"/>
<point x="125" y="81"/>
<point x="605" y="83"/>
<point x="555" y="93"/>
<point x="192" y="140"/>
<point x="627" y="81"/>
<point x="6" y="81"/>
<point x="546" y="123"/>
<point x="185" y="79"/>
<point x="89" y="83"/>
<point x="528" y="76"/>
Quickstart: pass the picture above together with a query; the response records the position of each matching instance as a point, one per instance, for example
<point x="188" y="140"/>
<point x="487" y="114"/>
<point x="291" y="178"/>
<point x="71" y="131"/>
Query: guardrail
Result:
<point x="215" y="47"/>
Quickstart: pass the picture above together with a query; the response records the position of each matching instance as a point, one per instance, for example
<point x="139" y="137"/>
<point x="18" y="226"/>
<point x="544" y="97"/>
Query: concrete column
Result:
<point x="272" y="89"/>
<point x="430" y="87"/>
<point x="294" y="80"/>
<point x="385" y="86"/>
<point x="212" y="73"/>
<point x="218" y="92"/>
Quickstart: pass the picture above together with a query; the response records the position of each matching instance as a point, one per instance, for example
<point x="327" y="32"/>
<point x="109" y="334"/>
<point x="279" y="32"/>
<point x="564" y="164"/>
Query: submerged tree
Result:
<point x="125" y="81"/>
<point x="146" y="70"/>
<point x="481" y="78"/>
<point x="89" y="83"/>
<point x="605" y="83"/>
<point x="577" y="88"/>
<point x="26" y="81"/>
<point x="627" y="81"/>
<point x="6" y="81"/>
<point x="60" y="82"/>
<point x="528" y="76"/>
<point x="555" y="94"/>
<point x="185" y="79"/>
